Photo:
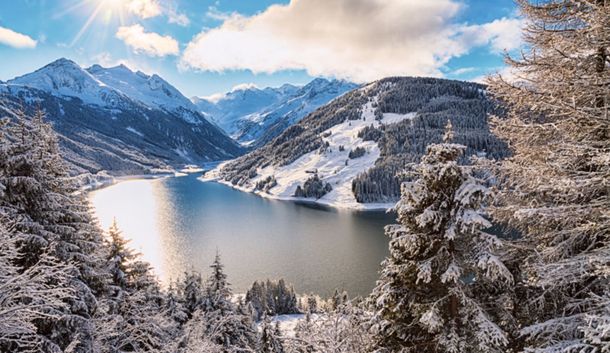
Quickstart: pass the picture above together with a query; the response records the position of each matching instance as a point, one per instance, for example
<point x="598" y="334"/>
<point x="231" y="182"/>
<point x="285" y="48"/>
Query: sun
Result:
<point x="104" y="10"/>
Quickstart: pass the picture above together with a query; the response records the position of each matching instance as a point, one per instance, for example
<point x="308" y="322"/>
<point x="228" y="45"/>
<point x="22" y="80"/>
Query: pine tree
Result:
<point x="217" y="294"/>
<point x="554" y="188"/>
<point x="436" y="291"/>
<point x="191" y="290"/>
<point x="270" y="337"/>
<point x="51" y="221"/>
<point x="174" y="306"/>
<point x="223" y="322"/>
<point x="312" y="304"/>
<point x="119" y="255"/>
<point x="27" y="296"/>
<point x="134" y="316"/>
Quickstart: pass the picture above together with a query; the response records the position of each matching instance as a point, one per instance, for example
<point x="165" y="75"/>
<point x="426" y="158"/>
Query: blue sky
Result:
<point x="208" y="46"/>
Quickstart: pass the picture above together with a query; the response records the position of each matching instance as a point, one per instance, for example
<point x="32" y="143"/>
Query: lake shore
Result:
<point x="359" y="207"/>
<point x="103" y="180"/>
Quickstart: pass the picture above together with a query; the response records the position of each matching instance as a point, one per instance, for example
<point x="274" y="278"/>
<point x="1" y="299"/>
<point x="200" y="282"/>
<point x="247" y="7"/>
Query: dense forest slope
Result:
<point x="115" y="119"/>
<point x="360" y="142"/>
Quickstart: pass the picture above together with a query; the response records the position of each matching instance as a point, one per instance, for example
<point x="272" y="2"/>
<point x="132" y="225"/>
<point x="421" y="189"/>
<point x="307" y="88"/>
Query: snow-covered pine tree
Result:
<point x="51" y="222"/>
<point x="554" y="188"/>
<point x="118" y="256"/>
<point x="26" y="297"/>
<point x="344" y="330"/>
<point x="257" y="297"/>
<point x="229" y="326"/>
<point x="191" y="292"/>
<point x="134" y="316"/>
<point x="217" y="294"/>
<point x="272" y="298"/>
<point x="436" y="288"/>
<point x="174" y="306"/>
<point x="270" y="337"/>
<point x="338" y="299"/>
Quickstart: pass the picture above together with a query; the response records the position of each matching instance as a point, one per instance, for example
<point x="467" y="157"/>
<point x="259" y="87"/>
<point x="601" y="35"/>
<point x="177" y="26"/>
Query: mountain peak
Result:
<point x="62" y="62"/>
<point x="152" y="90"/>
<point x="64" y="77"/>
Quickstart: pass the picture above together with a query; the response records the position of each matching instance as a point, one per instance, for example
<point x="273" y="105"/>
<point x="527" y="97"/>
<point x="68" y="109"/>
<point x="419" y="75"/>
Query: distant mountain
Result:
<point x="117" y="120"/>
<point x="352" y="152"/>
<point x="254" y="116"/>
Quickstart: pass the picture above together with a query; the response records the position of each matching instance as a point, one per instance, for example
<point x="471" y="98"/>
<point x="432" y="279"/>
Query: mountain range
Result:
<point x="334" y="141"/>
<point x="254" y="116"/>
<point x="116" y="119"/>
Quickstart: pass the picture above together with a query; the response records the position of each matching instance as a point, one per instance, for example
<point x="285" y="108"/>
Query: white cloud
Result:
<point x="150" y="43"/>
<point x="359" y="40"/>
<point x="173" y="16"/>
<point x="501" y="34"/>
<point x="508" y="73"/>
<point x="463" y="70"/>
<point x="218" y="15"/>
<point x="243" y="87"/>
<point x="144" y="8"/>
<point x="216" y="97"/>
<point x="15" y="39"/>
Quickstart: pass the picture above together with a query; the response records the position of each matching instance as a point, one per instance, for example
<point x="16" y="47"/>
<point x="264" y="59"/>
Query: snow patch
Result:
<point x="132" y="130"/>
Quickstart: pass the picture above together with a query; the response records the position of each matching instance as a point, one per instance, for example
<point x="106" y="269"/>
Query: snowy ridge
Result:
<point x="151" y="90"/>
<point x="109" y="87"/>
<point x="65" y="78"/>
<point x="254" y="116"/>
<point x="330" y="165"/>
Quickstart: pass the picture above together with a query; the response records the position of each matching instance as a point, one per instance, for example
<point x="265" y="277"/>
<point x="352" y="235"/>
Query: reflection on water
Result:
<point x="178" y="223"/>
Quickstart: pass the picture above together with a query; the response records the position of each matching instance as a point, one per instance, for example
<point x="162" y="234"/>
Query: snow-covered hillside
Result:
<point x="254" y="116"/>
<point x="384" y="126"/>
<point x="332" y="165"/>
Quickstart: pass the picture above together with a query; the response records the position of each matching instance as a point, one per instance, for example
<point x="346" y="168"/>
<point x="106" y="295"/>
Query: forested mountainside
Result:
<point x="116" y="120"/>
<point x="254" y="116"/>
<point x="387" y="124"/>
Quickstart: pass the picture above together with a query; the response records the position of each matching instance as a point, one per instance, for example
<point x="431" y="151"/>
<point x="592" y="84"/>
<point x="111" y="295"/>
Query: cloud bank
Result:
<point x="15" y="39"/>
<point x="359" y="40"/>
<point x="149" y="43"/>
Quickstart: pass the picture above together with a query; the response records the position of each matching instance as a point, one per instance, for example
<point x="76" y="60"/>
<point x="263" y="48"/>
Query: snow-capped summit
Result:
<point x="109" y="87"/>
<point x="250" y="114"/>
<point x="63" y="77"/>
<point x="151" y="90"/>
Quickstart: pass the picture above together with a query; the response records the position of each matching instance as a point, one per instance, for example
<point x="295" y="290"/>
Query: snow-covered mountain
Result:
<point x="116" y="119"/>
<point x="64" y="78"/>
<point x="151" y="90"/>
<point x="352" y="151"/>
<point x="254" y="116"/>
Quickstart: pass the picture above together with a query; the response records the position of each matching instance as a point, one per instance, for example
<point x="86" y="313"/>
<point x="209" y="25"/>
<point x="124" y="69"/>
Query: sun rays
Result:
<point x="106" y="11"/>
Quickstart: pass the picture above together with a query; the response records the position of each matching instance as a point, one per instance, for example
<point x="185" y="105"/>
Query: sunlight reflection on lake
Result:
<point x="178" y="223"/>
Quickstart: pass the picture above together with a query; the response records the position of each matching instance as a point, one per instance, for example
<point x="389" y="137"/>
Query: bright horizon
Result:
<point x="210" y="46"/>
